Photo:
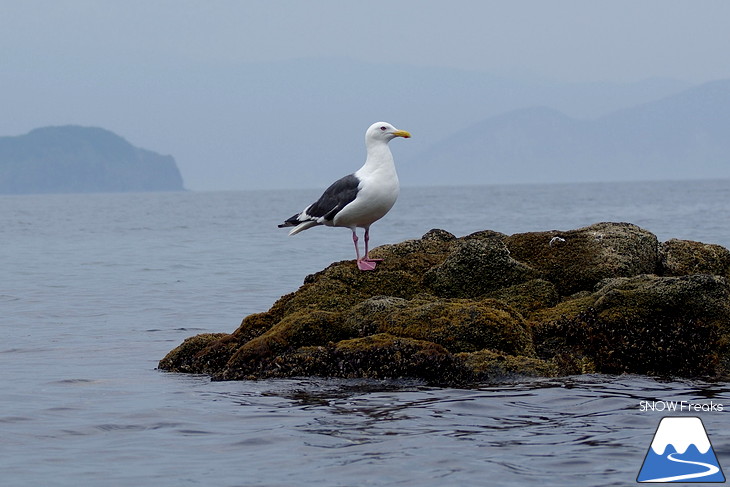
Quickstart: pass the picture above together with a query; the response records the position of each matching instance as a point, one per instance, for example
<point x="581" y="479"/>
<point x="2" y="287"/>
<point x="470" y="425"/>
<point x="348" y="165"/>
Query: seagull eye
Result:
<point x="382" y="128"/>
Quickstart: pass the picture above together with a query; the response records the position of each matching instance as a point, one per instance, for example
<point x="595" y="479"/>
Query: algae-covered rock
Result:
<point x="491" y="366"/>
<point x="476" y="267"/>
<point x="529" y="296"/>
<point x="661" y="345"/>
<point x="668" y="326"/>
<point x="607" y="298"/>
<point x="685" y="257"/>
<point x="380" y="356"/>
<point x="370" y="316"/>
<point x="577" y="259"/>
<point x="303" y="328"/>
<point x="698" y="296"/>
<point x="461" y="325"/>
<point x="188" y="356"/>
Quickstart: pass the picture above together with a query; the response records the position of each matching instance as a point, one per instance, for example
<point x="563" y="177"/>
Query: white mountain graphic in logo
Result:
<point x="680" y="452"/>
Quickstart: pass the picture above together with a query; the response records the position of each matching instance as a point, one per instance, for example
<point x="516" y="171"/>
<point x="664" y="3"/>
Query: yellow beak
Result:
<point x="402" y="133"/>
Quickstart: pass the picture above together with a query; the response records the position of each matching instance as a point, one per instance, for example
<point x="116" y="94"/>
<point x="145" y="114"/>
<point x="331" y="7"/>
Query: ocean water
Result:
<point x="95" y="289"/>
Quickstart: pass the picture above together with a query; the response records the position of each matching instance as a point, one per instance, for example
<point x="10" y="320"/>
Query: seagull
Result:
<point x="358" y="199"/>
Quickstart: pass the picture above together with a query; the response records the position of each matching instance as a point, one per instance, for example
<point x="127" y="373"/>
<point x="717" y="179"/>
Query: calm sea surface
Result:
<point x="95" y="289"/>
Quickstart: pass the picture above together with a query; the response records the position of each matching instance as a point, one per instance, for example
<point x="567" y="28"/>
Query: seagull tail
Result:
<point x="301" y="227"/>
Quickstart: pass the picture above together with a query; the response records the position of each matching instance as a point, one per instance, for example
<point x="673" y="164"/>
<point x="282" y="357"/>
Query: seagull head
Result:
<point x="384" y="132"/>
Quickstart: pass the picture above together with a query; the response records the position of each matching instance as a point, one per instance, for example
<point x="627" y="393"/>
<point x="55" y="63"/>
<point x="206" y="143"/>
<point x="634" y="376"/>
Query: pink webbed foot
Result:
<point x="366" y="265"/>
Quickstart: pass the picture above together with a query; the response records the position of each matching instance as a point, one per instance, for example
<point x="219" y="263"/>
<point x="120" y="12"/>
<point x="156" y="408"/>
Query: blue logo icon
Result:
<point x="680" y="452"/>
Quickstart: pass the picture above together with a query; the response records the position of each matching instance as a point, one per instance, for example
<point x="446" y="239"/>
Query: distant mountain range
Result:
<point x="73" y="159"/>
<point x="678" y="137"/>
<point x="300" y="123"/>
<point x="468" y="128"/>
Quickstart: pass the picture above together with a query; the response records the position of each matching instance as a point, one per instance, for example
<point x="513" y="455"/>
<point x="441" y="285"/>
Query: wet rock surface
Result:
<point x="608" y="298"/>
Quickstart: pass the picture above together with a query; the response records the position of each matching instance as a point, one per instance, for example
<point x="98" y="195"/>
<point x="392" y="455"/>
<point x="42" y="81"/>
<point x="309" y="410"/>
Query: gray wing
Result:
<point x="340" y="193"/>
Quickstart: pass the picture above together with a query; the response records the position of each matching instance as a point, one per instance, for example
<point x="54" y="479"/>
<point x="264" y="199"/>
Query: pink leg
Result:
<point x="362" y="264"/>
<point x="367" y="247"/>
<point x="354" y="240"/>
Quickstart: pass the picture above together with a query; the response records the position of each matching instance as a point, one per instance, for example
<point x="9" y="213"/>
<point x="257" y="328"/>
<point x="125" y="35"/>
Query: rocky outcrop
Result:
<point x="608" y="298"/>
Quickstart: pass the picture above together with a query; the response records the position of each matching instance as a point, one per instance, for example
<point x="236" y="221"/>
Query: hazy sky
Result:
<point x="567" y="40"/>
<point x="58" y="56"/>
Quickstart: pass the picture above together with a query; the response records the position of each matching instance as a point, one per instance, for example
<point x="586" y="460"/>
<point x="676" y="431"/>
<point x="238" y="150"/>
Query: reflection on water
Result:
<point x="557" y="432"/>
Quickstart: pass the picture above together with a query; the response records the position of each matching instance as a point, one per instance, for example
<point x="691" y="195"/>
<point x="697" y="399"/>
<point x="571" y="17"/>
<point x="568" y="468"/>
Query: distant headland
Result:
<point x="74" y="159"/>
